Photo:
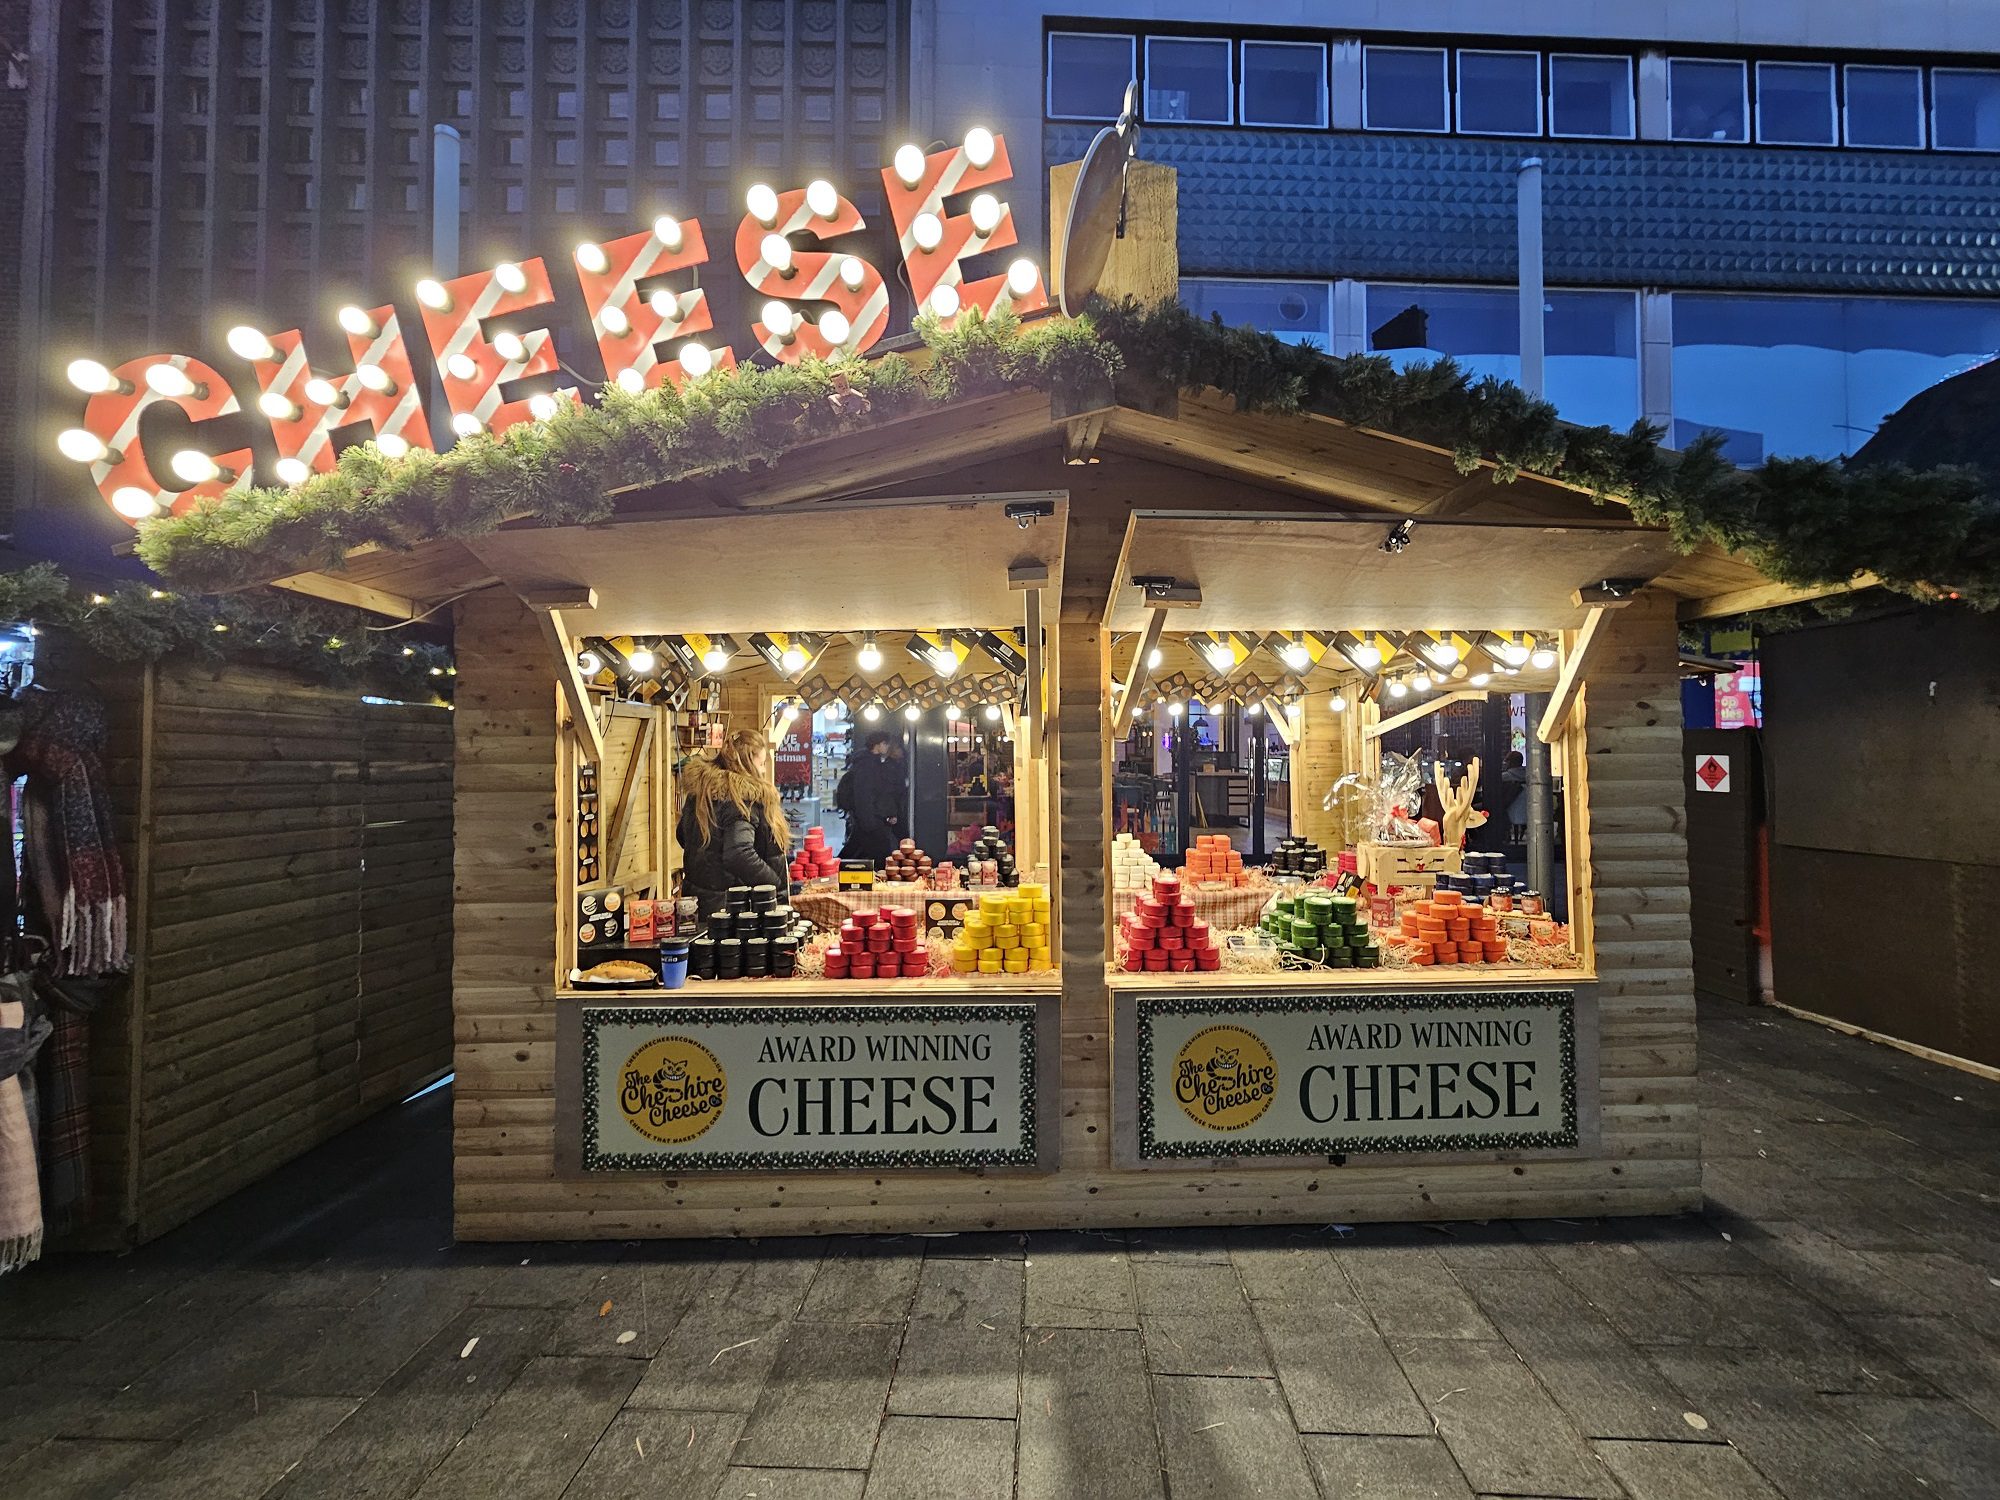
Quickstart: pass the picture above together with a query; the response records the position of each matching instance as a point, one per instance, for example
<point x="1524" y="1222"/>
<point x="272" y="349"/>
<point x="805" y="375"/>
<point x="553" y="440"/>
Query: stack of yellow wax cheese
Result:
<point x="1007" y="934"/>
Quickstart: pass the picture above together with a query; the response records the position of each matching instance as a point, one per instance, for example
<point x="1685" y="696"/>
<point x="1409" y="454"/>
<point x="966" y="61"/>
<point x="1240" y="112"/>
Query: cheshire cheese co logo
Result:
<point x="672" y="1089"/>
<point x="1225" y="1078"/>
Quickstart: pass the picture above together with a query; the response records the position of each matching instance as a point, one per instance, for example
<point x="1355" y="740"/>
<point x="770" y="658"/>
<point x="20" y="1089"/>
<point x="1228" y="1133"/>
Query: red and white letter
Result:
<point x="936" y="242"/>
<point x="629" y="324"/>
<point x="769" y="262"/>
<point x="472" y="369"/>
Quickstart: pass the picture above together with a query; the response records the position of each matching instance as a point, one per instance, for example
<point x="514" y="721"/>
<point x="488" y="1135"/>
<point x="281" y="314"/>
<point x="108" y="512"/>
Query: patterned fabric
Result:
<point x="73" y="867"/>
<point x="20" y="1191"/>
<point x="64" y="1076"/>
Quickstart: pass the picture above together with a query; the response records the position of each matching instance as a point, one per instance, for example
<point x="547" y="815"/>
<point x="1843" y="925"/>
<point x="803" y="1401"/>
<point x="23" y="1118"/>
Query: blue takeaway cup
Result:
<point x="673" y="965"/>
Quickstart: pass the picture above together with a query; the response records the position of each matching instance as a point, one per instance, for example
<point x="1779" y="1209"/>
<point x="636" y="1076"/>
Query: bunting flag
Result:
<point x="474" y="370"/>
<point x="124" y="475"/>
<point x="628" y="323"/>
<point x="855" y="288"/>
<point x="389" y="402"/>
<point x="919" y="213"/>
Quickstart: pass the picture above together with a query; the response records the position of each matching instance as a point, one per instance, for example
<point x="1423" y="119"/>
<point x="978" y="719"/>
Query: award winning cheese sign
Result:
<point x="804" y="1088"/>
<point x="651" y="324"/>
<point x="1326" y="1076"/>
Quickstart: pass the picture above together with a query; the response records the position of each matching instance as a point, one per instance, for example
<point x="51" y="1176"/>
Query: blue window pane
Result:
<point x="1590" y="342"/>
<point x="1885" y="106"/>
<point x="1590" y="96"/>
<point x="1295" y="311"/>
<point x="1088" y="74"/>
<point x="1795" y="103"/>
<point x="1500" y="93"/>
<point x="1705" y="100"/>
<point x="1965" y="110"/>
<point x="1187" y="81"/>
<point x="1403" y="88"/>
<point x="1284" y="83"/>
<point x="1816" y="375"/>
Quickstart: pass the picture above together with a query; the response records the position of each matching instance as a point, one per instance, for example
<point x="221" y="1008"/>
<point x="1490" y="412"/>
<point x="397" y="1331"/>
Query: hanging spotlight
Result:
<point x="792" y="659"/>
<point x="1480" y="679"/>
<point x="1154" y="658"/>
<point x="1338" y="703"/>
<point x="869" y="657"/>
<point x="1399" y="689"/>
<point x="912" y="712"/>
<point x="1542" y="658"/>
<point x="871" y="712"/>
<point x="589" y="663"/>
<point x="641" y="660"/>
<point x="1421" y="682"/>
<point x="1295" y="655"/>
<point x="717" y="657"/>
<point x="1254" y="709"/>
<point x="1509" y="652"/>
<point x="993" y="712"/>
<point x="1174" y="709"/>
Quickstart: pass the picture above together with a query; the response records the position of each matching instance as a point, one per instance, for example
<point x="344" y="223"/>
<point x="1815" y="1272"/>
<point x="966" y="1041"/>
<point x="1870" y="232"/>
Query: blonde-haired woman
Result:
<point x="732" y="826"/>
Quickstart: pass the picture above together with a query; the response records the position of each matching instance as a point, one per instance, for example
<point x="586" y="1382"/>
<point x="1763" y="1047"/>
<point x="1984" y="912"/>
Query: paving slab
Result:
<point x="1228" y="1438"/>
<point x="864" y="1281"/>
<point x="1080" y="1281"/>
<point x="1683" y="1471"/>
<point x="1197" y="1320"/>
<point x="1939" y="1441"/>
<point x="792" y="1484"/>
<point x="1087" y="1425"/>
<point x="1502" y="1428"/>
<point x="716" y="1359"/>
<point x="1636" y="1297"/>
<point x="659" y="1455"/>
<point x="1338" y="1379"/>
<point x="1766" y="1313"/>
<point x="1411" y="1293"/>
<point x="1954" y="1357"/>
<point x="237" y="1455"/>
<point x="823" y="1402"/>
<point x="530" y="1443"/>
<point x="77" y="1468"/>
<point x="1301" y="1275"/>
<point x="1385" y="1468"/>
<point x="961" y="1354"/>
<point x="922" y="1458"/>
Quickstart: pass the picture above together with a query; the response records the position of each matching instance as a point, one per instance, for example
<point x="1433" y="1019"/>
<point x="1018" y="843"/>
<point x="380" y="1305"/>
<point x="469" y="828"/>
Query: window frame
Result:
<point x="1324" y="286"/>
<point x="1131" y="40"/>
<point x="1243" y="83"/>
<point x="1444" y="84"/>
<point x="1931" y="110"/>
<point x="1834" y="108"/>
<point x="1743" y="70"/>
<point x="1146" y="78"/>
<point x="1631" y="96"/>
<point x="1457" y="84"/>
<point x="1923" y="106"/>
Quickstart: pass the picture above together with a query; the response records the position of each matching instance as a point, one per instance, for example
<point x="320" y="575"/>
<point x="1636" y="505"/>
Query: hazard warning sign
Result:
<point x="1711" y="773"/>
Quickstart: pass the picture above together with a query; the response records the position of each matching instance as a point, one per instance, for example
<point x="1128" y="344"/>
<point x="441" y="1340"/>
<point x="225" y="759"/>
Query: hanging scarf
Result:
<point x="20" y="1189"/>
<point x="73" y="864"/>
<point x="62" y="1129"/>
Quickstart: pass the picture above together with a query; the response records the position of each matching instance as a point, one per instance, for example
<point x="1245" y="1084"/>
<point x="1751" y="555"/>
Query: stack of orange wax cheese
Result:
<point x="1213" y="859"/>
<point x="1444" y="930"/>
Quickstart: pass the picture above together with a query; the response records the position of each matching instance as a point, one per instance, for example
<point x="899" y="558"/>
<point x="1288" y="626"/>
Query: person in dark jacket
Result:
<point x="732" y="827"/>
<point x="871" y="795"/>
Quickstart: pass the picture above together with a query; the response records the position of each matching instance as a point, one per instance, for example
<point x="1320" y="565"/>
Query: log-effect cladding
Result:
<point x="507" y="1186"/>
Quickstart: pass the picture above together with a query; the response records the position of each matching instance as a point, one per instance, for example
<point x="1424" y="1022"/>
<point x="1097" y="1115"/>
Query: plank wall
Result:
<point x="506" y="1181"/>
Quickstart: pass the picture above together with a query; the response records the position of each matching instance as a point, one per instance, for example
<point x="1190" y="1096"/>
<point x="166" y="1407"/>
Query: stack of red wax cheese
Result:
<point x="1161" y="932"/>
<point x="881" y="944"/>
<point x="1444" y="930"/>
<point x="815" y="861"/>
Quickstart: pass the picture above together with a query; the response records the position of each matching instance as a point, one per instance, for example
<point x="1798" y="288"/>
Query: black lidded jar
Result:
<point x="701" y="958"/>
<point x="738" y="897"/>
<point x="756" y="958"/>
<point x="784" y="957"/>
<point x="763" y="897"/>
<point x="729" y="958"/>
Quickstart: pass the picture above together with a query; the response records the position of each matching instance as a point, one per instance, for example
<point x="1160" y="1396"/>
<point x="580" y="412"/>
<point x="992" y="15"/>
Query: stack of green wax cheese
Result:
<point x="1323" y="928"/>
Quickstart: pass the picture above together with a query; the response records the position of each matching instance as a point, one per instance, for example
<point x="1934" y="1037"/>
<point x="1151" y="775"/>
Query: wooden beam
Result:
<point x="562" y="596"/>
<point x="1281" y="720"/>
<point x="354" y="595"/>
<point x="621" y="810"/>
<point x="1080" y="435"/>
<point x="1032" y="640"/>
<point x="1576" y="655"/>
<point x="582" y="718"/>
<point x="1138" y="674"/>
<point x="1376" y="730"/>
<point x="1768" y="596"/>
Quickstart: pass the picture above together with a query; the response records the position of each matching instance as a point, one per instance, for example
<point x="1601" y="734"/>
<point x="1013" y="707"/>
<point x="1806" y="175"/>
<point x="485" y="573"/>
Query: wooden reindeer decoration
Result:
<point x="1459" y="814"/>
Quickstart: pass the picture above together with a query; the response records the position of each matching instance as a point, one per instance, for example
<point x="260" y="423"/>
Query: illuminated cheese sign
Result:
<point x="819" y="302"/>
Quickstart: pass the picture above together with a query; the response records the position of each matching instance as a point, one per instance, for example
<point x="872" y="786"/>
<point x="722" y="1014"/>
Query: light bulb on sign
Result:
<point x="909" y="165"/>
<point x="696" y="360"/>
<point x="944" y="300"/>
<point x="614" y="320"/>
<point x="195" y="466"/>
<point x="1338" y="703"/>
<point x="993" y="713"/>
<point x="869" y="657"/>
<point x="912" y="712"/>
<point x="1021" y="277"/>
<point x="461" y="366"/>
<point x="279" y="407"/>
<point x="762" y="201"/>
<point x="590" y="255"/>
<point x="355" y="320"/>
<point x="871" y="712"/>
<point x="776" y="252"/>
<point x="392" y="445"/>
<point x="246" y="342"/>
<point x="1542" y="658"/>
<point x="509" y="346"/>
<point x="715" y="659"/>
<point x="853" y="271"/>
<point x="90" y="377"/>
<point x="80" y="446"/>
<point x="834" y="327"/>
<point x="792" y="659"/>
<point x="465" y="424"/>
<point x="542" y="406"/>
<point x="1399" y="689"/>
<point x="823" y="198"/>
<point x="777" y="317"/>
<point x="292" y="471"/>
<point x="631" y="381"/>
<point x="169" y="380"/>
<point x="375" y="378"/>
<point x="431" y="292"/>
<point x="927" y="229"/>
<point x="667" y="230"/>
<point x="589" y="663"/>
<point x="986" y="213"/>
<point x="510" y="277"/>
<point x="667" y="305"/>
<point x="1155" y="657"/>
<point x="133" y="503"/>
<point x="979" y="146"/>
<point x="641" y="661"/>
<point x="322" y="392"/>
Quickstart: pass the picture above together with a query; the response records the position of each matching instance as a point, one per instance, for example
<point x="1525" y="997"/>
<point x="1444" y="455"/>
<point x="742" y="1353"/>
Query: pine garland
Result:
<point x="131" y="623"/>
<point x="1931" y="534"/>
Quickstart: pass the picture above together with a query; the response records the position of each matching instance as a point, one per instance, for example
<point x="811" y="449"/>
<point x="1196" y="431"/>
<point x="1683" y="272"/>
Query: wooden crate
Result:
<point x="1406" y="864"/>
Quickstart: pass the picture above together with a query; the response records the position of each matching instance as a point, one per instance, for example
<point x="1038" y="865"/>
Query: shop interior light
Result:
<point x="793" y="659"/>
<point x="355" y="320"/>
<point x="823" y="198"/>
<point x="993" y="713"/>
<point x="510" y="277"/>
<point x="1399" y="689"/>
<point x="1509" y="653"/>
<point x="1338" y="703"/>
<point x="542" y="406"/>
<point x="1421" y="682"/>
<point x="909" y="164"/>
<point x="1295" y="655"/>
<point x="1154" y="658"/>
<point x="92" y="378"/>
<point x="194" y="466"/>
<point x="871" y="712"/>
<point x="641" y="660"/>
<point x="944" y="300"/>
<point x="927" y="229"/>
<point x="979" y="146"/>
<point x="869" y="657"/>
<point x="292" y="471"/>
<point x="717" y="657"/>
<point x="133" y="503"/>
<point x="834" y="327"/>
<point x="246" y="342"/>
<point x="1174" y="709"/>
<point x="667" y="230"/>
<point x="465" y="424"/>
<point x="696" y="360"/>
<point x="1221" y="655"/>
<point x="1021" y="277"/>
<point x="986" y="213"/>
<point x="952" y="712"/>
<point x="1542" y="658"/>
<point x="912" y="712"/>
<point x="81" y="446"/>
<point x="762" y="201"/>
<point x="631" y="381"/>
<point x="432" y="293"/>
<point x="172" y="380"/>
<point x="778" y="318"/>
<point x="776" y="252"/>
<point x="853" y="271"/>
<point x="667" y="305"/>
<point x="461" y="366"/>
<point x="392" y="445"/>
<point x="1363" y="652"/>
<point x="1442" y="651"/>
<point x="1254" y="710"/>
<point x="590" y="255"/>
<point x="375" y="378"/>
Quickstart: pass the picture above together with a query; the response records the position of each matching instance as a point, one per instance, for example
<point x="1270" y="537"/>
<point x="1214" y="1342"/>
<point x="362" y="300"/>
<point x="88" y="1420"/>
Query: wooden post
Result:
<point x="1575" y="654"/>
<point x="548" y="606"/>
<point x="1145" y="264"/>
<point x="1138" y="674"/>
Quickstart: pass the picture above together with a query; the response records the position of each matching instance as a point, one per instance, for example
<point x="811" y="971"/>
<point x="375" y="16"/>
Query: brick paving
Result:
<point x="1829" y="1327"/>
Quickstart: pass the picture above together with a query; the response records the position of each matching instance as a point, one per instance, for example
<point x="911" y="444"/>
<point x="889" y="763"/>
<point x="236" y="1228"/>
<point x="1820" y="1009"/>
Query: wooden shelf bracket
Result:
<point x="548" y="606"/>
<point x="1576" y="657"/>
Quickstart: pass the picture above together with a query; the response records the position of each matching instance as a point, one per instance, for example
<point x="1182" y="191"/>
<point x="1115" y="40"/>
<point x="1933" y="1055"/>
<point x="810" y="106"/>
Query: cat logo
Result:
<point x="672" y="1089"/>
<point x="1224" y="1078"/>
